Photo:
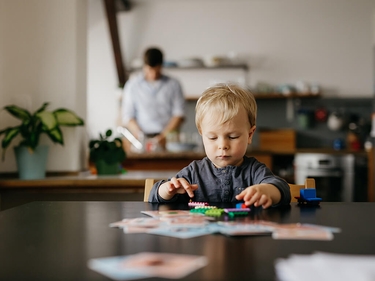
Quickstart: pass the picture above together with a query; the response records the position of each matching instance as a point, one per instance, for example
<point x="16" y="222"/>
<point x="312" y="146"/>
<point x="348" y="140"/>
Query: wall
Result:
<point x="43" y="52"/>
<point x="43" y="59"/>
<point x="324" y="41"/>
<point x="327" y="42"/>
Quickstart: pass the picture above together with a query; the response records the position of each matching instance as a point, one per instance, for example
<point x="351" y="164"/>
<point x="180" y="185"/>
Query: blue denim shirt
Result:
<point x="152" y="104"/>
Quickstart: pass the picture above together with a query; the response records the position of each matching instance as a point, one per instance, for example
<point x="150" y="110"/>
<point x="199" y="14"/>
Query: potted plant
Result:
<point x="31" y="157"/>
<point x="107" y="154"/>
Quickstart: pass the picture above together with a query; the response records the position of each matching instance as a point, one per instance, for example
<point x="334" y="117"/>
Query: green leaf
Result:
<point x="56" y="135"/>
<point x="66" y="117"/>
<point x="43" y="107"/>
<point x="9" y="135"/>
<point x="48" y="119"/>
<point x="18" y="112"/>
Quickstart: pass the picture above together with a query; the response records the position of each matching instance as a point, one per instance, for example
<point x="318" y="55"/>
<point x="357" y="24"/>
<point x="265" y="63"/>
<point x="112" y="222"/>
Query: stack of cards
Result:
<point x="184" y="224"/>
<point x="173" y="226"/>
<point x="147" y="264"/>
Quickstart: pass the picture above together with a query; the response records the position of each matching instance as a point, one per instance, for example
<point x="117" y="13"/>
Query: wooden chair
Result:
<point x="148" y="186"/>
<point x="294" y="188"/>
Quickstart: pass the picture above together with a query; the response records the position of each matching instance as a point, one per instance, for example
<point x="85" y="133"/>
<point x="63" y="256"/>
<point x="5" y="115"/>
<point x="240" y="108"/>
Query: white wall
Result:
<point x="43" y="52"/>
<point x="43" y="59"/>
<point x="328" y="42"/>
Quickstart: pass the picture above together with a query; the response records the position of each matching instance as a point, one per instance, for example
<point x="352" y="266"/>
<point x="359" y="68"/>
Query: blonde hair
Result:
<point x="226" y="99"/>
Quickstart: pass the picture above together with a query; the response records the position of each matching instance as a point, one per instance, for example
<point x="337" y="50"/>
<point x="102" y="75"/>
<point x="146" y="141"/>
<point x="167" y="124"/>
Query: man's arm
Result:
<point x="134" y="128"/>
<point x="173" y="125"/>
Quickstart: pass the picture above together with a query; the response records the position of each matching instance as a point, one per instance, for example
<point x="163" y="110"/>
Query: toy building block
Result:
<point x="233" y="212"/>
<point x="202" y="209"/>
<point x="193" y="204"/>
<point x="199" y="211"/>
<point x="308" y="196"/>
<point x="227" y="210"/>
<point x="214" y="212"/>
<point x="241" y="205"/>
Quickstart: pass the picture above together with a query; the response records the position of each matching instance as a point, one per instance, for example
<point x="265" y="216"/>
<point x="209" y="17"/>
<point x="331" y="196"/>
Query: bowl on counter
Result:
<point x="180" y="146"/>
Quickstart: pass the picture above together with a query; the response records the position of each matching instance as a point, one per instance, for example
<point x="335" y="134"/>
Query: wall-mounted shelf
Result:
<point x="282" y="96"/>
<point x="228" y="66"/>
<point x="274" y="96"/>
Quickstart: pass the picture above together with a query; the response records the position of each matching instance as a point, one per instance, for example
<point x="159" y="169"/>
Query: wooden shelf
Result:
<point x="282" y="96"/>
<point x="274" y="96"/>
<point x="228" y="66"/>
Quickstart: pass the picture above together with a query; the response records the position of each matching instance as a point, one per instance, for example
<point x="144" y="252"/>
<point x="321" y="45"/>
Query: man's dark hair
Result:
<point x="153" y="57"/>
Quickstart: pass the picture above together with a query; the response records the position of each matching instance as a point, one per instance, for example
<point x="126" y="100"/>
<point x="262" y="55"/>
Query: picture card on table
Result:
<point x="184" y="232"/>
<point x="166" y="214"/>
<point x="299" y="231"/>
<point x="239" y="228"/>
<point x="136" y="225"/>
<point x="148" y="264"/>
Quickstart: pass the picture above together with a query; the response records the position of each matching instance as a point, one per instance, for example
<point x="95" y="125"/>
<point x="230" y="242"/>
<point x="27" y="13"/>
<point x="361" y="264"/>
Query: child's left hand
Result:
<point x="264" y="195"/>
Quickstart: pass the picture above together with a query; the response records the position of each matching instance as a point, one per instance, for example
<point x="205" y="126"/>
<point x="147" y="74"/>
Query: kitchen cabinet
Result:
<point x="171" y="161"/>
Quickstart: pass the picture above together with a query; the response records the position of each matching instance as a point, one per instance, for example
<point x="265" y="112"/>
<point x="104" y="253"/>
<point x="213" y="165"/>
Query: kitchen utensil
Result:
<point x="335" y="121"/>
<point x="130" y="137"/>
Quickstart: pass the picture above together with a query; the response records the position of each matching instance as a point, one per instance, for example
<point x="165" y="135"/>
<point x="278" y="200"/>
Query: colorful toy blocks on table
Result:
<point x="193" y="204"/>
<point x="232" y="212"/>
<point x="241" y="205"/>
<point x="204" y="208"/>
<point x="214" y="212"/>
<point x="308" y="197"/>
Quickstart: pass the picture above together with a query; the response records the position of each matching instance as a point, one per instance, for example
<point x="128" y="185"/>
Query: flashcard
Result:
<point x="171" y="213"/>
<point x="140" y="222"/>
<point x="233" y="228"/>
<point x="147" y="264"/>
<point x="137" y="225"/>
<point x="184" y="232"/>
<point x="297" y="231"/>
<point x="190" y="221"/>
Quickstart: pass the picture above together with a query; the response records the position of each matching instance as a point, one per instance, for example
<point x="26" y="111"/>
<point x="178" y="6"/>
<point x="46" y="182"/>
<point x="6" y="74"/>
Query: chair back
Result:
<point x="148" y="186"/>
<point x="295" y="188"/>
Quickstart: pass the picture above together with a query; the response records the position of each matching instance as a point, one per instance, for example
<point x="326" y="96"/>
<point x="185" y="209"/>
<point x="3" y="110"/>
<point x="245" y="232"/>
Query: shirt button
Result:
<point x="226" y="192"/>
<point x="227" y="182"/>
<point x="224" y="171"/>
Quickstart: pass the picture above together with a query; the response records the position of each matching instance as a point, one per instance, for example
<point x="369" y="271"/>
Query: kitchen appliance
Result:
<point x="338" y="177"/>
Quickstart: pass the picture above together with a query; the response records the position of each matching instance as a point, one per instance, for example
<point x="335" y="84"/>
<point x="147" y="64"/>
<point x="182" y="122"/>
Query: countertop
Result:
<point x="85" y="179"/>
<point x="200" y="155"/>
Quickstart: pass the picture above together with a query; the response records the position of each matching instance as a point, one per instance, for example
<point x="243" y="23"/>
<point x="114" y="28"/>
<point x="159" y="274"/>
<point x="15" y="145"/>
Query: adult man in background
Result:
<point x="153" y="104"/>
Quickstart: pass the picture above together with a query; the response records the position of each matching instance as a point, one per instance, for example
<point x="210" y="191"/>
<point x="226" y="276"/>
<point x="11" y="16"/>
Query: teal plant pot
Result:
<point x="103" y="168"/>
<point x="31" y="164"/>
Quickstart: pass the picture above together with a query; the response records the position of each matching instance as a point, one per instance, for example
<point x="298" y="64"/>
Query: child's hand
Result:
<point x="264" y="195"/>
<point x="168" y="189"/>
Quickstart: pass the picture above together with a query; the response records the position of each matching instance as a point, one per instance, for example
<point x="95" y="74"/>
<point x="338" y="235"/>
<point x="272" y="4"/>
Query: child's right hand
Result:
<point x="168" y="189"/>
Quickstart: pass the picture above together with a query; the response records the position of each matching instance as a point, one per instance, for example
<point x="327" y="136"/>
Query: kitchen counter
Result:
<point x="84" y="186"/>
<point x="199" y="155"/>
<point x="129" y="186"/>
<point x="176" y="161"/>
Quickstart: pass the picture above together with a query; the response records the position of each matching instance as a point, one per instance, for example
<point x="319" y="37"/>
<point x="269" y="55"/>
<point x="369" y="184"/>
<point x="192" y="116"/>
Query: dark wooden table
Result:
<point x="54" y="240"/>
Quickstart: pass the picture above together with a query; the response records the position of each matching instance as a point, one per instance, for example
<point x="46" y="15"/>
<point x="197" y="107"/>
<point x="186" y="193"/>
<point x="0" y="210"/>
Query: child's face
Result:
<point x="226" y="144"/>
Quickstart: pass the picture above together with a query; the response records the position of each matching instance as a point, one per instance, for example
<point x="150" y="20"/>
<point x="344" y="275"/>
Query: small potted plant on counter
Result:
<point x="31" y="157"/>
<point x="106" y="154"/>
